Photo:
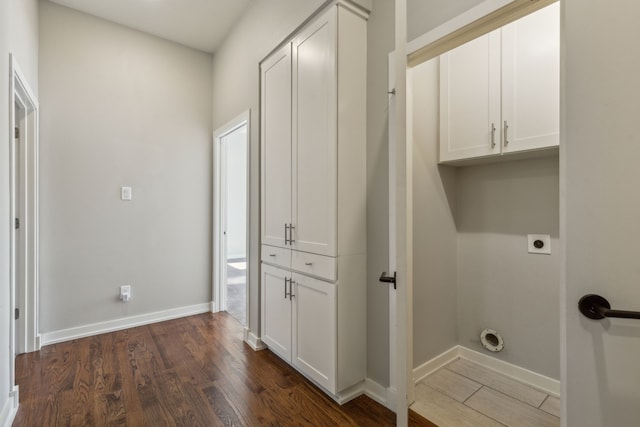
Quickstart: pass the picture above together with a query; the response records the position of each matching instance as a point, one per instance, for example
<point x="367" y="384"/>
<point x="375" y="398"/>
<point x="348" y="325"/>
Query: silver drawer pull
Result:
<point x="272" y="254"/>
<point x="308" y="263"/>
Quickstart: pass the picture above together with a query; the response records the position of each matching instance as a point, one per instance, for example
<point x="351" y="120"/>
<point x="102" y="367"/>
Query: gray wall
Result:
<point x="435" y="261"/>
<point x="380" y="42"/>
<point x="236" y="79"/>
<point x="500" y="285"/>
<point x="18" y="35"/>
<point x="471" y="266"/>
<point x="425" y="15"/>
<point x="120" y="107"/>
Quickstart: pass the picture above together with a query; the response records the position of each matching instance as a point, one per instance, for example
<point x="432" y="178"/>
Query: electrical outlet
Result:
<point x="539" y="244"/>
<point x="126" y="193"/>
<point x="125" y="293"/>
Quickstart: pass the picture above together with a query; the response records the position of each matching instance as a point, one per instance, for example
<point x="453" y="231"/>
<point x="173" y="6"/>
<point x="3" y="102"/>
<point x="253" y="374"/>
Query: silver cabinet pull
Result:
<point x="272" y="254"/>
<point x="286" y="228"/>
<point x="506" y="128"/>
<point x="291" y="294"/>
<point x="286" y="279"/>
<point x="291" y="228"/>
<point x="308" y="263"/>
<point x="493" y="135"/>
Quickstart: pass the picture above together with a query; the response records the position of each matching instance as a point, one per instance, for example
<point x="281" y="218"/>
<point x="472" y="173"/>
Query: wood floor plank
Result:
<point x="551" y="405"/>
<point x="194" y="371"/>
<point x="447" y="412"/>
<point x="510" y="411"/>
<point x="452" y="384"/>
<point x="498" y="382"/>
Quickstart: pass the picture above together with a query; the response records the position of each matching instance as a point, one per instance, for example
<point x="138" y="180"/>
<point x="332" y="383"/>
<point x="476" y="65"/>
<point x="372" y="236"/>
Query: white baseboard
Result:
<point x="10" y="408"/>
<point x="123" y="323"/>
<point x="533" y="379"/>
<point x="386" y="396"/>
<point x="253" y="341"/>
<point x="430" y="366"/>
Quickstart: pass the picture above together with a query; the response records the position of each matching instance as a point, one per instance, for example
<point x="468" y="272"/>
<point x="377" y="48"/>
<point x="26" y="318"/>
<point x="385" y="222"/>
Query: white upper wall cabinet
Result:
<point x="315" y="187"/>
<point x="276" y="143"/>
<point x="470" y="99"/>
<point x="500" y="93"/>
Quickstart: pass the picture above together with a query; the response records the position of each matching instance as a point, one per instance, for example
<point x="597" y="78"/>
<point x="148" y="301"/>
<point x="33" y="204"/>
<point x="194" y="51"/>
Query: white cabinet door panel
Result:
<point x="276" y="311"/>
<point x="314" y="204"/>
<point x="276" y="146"/>
<point x="531" y="81"/>
<point x="470" y="99"/>
<point x="315" y="330"/>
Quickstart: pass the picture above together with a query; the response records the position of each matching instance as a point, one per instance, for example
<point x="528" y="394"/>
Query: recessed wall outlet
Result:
<point x="126" y="193"/>
<point x="125" y="293"/>
<point x="539" y="244"/>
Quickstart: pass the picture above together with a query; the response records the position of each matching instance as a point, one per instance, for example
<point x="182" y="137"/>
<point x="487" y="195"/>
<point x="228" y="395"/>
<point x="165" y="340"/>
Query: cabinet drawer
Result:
<point x="321" y="266"/>
<point x="276" y="256"/>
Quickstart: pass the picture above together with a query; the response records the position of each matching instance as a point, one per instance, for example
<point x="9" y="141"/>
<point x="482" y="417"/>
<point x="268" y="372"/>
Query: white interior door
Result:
<point x="600" y="208"/>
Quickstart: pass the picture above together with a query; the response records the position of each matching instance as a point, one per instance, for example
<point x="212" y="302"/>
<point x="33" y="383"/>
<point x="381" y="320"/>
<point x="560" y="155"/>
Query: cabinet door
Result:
<point x="276" y="146"/>
<point x="276" y="311"/>
<point x="315" y="330"/>
<point x="470" y="99"/>
<point x="314" y="198"/>
<point x="531" y="81"/>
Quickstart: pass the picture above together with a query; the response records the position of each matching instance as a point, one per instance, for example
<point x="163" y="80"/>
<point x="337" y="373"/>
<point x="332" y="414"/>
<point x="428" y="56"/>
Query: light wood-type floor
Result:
<point x="193" y="371"/>
<point x="463" y="393"/>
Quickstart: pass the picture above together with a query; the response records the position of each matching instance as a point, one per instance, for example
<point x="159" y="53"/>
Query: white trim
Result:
<point x="481" y="19"/>
<point x="10" y="408"/>
<point x="123" y="323"/>
<point x="533" y="379"/>
<point x="219" y="271"/>
<point x="543" y="383"/>
<point x="385" y="396"/>
<point x="430" y="366"/>
<point x="485" y="8"/>
<point x="253" y="340"/>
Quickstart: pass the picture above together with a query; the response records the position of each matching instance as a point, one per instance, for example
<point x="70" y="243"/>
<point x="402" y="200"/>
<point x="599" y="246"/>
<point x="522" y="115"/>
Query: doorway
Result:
<point x="23" y="153"/>
<point x="231" y="218"/>
<point x="23" y="207"/>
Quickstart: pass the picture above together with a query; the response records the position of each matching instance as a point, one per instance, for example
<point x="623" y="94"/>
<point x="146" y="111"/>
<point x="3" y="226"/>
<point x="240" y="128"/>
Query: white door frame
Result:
<point x="485" y="17"/>
<point x="23" y="201"/>
<point x="219" y="217"/>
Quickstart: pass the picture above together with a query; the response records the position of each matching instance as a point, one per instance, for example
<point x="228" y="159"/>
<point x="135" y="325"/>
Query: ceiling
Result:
<point x="200" y="24"/>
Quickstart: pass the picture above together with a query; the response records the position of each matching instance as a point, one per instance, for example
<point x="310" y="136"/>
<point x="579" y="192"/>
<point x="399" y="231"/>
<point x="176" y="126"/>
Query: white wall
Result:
<point x="600" y="187"/>
<point x="236" y="179"/>
<point x="471" y="266"/>
<point x="18" y="35"/>
<point x="121" y="108"/>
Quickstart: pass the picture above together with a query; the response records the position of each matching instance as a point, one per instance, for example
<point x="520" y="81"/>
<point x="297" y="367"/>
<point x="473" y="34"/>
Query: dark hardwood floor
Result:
<point x="193" y="371"/>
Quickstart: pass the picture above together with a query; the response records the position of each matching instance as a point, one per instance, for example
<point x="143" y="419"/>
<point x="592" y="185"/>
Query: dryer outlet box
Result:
<point x="539" y="244"/>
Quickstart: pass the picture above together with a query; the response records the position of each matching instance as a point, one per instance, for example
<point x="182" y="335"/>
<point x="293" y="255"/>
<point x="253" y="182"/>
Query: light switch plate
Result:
<point x="126" y="193"/>
<point x="539" y="244"/>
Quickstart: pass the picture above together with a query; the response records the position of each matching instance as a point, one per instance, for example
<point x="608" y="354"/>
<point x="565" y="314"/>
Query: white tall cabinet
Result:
<point x="313" y="217"/>
<point x="500" y="93"/>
